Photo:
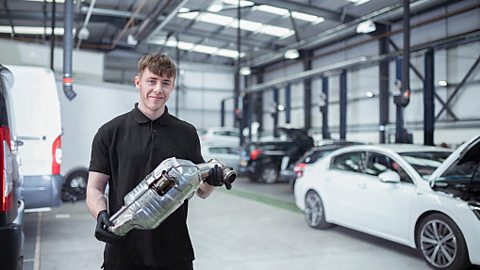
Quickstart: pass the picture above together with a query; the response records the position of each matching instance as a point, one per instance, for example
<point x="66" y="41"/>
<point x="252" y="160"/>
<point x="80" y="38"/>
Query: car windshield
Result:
<point x="425" y="163"/>
<point x="316" y="155"/>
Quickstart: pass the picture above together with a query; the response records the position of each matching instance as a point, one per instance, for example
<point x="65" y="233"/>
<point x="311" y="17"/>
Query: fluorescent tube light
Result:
<point x="232" y="22"/>
<point x="215" y="19"/>
<point x="188" y="46"/>
<point x="273" y="10"/>
<point x="31" y="30"/>
<point x="215" y="8"/>
<point x="188" y="15"/>
<point x="247" y="25"/>
<point x="274" y="30"/>
<point x="243" y="3"/>
<point x="205" y="49"/>
<point x="304" y="16"/>
<point x="49" y="1"/>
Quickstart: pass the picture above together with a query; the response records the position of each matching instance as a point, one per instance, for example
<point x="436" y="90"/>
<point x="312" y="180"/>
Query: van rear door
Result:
<point x="38" y="125"/>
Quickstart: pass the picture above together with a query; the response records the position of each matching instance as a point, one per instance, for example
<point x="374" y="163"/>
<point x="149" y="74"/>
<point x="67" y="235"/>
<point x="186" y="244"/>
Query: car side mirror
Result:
<point x="389" y="177"/>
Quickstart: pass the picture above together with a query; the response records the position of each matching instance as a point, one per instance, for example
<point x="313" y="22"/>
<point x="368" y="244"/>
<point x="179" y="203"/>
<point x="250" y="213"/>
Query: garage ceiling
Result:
<point x="202" y="30"/>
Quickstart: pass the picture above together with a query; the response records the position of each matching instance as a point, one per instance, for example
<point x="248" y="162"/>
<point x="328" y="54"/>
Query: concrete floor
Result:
<point x="254" y="226"/>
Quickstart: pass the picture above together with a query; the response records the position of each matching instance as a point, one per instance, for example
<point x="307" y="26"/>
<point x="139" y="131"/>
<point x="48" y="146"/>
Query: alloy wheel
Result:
<point x="438" y="243"/>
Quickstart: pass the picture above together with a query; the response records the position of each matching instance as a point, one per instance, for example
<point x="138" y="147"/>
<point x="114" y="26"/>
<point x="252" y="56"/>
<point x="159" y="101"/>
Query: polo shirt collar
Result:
<point x="141" y="118"/>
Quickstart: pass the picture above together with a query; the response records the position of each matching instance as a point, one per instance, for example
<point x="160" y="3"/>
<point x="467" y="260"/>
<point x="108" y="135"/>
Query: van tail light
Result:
<point x="56" y="155"/>
<point x="298" y="169"/>
<point x="6" y="185"/>
<point x="255" y="153"/>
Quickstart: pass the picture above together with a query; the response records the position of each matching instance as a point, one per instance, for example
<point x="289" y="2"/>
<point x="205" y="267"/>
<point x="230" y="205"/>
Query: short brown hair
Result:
<point x="158" y="64"/>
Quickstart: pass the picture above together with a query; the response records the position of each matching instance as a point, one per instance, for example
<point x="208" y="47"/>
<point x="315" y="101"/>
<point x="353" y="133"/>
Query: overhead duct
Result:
<point x="67" y="50"/>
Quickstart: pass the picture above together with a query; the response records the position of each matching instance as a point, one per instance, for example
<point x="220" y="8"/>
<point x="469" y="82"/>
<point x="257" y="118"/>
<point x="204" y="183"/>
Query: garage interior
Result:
<point x="368" y="71"/>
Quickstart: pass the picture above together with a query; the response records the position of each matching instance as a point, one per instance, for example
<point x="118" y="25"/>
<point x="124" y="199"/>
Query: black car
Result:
<point x="262" y="161"/>
<point x="295" y="169"/>
<point x="11" y="207"/>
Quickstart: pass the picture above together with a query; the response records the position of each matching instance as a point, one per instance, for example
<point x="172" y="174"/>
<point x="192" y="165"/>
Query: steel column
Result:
<point x="52" y="36"/>
<point x="428" y="101"/>
<point x="288" y="104"/>
<point x="324" y="108"/>
<point x="249" y="117"/>
<point x="343" y="105"/>
<point x="222" y="113"/>
<point x="275" y="112"/>
<point x="399" y="108"/>
<point x="384" y="82"/>
<point x="401" y="136"/>
<point x="178" y="88"/>
<point x="259" y="103"/>
<point x="236" y="120"/>
<point x="307" y="90"/>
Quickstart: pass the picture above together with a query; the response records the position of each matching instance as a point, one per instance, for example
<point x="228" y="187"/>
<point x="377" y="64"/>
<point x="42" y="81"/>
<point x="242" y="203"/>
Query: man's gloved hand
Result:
<point x="101" y="231"/>
<point x="215" y="176"/>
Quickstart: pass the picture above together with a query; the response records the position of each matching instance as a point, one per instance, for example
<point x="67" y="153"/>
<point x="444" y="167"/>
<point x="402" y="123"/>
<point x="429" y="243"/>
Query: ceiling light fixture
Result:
<point x="291" y="54"/>
<point x="370" y="94"/>
<point x="443" y="83"/>
<point x="245" y="71"/>
<point x="366" y="27"/>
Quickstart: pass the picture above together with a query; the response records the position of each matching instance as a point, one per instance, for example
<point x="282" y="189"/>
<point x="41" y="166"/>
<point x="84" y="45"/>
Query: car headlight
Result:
<point x="475" y="209"/>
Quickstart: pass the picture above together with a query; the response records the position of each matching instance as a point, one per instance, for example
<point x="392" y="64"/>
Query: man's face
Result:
<point x="154" y="89"/>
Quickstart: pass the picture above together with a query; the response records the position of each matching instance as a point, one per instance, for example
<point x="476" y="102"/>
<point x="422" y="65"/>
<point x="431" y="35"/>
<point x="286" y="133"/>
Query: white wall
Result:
<point x="85" y="65"/>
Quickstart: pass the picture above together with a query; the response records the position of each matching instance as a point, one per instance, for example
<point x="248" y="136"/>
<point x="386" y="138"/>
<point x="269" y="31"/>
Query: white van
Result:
<point x="38" y="125"/>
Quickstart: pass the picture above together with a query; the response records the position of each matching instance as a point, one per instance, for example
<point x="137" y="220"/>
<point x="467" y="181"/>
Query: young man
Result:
<point x="124" y="151"/>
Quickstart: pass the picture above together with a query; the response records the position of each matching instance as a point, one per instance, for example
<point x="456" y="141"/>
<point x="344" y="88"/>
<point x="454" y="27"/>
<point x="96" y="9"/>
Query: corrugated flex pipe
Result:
<point x="67" y="50"/>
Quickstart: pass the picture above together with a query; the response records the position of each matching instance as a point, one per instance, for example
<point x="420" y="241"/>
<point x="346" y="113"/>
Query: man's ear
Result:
<point x="136" y="80"/>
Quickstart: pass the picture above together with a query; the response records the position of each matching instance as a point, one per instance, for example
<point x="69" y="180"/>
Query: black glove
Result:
<point x="101" y="231"/>
<point x="215" y="176"/>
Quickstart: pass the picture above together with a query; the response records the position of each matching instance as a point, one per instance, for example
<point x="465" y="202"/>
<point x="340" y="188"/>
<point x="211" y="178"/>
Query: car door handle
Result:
<point x="362" y="186"/>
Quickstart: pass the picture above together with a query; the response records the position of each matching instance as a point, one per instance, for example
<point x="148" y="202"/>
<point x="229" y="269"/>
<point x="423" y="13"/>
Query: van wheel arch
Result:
<point x="75" y="185"/>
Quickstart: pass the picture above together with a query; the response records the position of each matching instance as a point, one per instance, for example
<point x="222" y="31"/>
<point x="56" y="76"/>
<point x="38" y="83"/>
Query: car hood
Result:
<point x="463" y="188"/>
<point x="467" y="151"/>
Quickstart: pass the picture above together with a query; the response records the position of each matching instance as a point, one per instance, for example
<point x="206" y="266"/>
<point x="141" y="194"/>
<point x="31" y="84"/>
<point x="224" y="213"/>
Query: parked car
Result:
<point x="220" y="135"/>
<point x="11" y="207"/>
<point x="419" y="196"/>
<point x="295" y="170"/>
<point x="262" y="161"/>
<point x="228" y="154"/>
<point x="38" y="125"/>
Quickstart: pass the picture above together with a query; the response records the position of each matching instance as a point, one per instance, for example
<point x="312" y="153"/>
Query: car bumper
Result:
<point x="472" y="238"/>
<point x="41" y="191"/>
<point x="287" y="176"/>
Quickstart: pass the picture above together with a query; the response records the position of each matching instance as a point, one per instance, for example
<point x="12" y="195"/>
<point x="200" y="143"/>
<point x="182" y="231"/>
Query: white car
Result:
<point x="223" y="135"/>
<point x="228" y="154"/>
<point x="413" y="195"/>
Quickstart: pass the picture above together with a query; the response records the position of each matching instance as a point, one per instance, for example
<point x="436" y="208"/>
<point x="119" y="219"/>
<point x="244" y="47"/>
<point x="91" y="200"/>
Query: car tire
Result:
<point x="441" y="243"/>
<point x="75" y="186"/>
<point x="269" y="174"/>
<point x="315" y="211"/>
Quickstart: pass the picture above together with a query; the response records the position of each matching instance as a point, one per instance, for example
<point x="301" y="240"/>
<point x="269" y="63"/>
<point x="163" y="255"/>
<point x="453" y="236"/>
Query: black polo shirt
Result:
<point x="128" y="148"/>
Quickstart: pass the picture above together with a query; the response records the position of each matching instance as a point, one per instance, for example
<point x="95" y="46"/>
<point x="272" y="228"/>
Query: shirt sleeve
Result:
<point x="100" y="158"/>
